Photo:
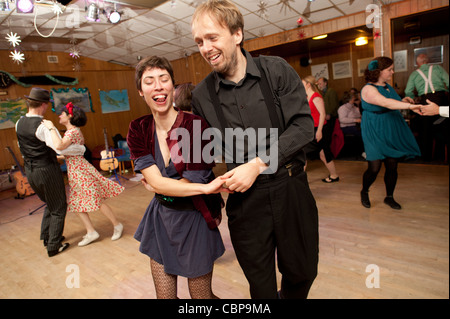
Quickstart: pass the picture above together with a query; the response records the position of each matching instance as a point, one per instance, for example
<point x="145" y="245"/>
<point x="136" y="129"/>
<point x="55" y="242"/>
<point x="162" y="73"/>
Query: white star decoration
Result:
<point x="285" y="5"/>
<point x="74" y="52"/>
<point x="17" y="56"/>
<point x="262" y="11"/>
<point x="13" y="39"/>
<point x="56" y="9"/>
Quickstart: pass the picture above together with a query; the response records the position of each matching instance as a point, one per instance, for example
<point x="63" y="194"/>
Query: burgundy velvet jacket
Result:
<point x="141" y="142"/>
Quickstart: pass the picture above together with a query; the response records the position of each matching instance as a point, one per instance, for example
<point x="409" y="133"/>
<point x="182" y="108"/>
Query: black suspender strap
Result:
<point x="215" y="100"/>
<point x="265" y="90"/>
<point x="268" y="97"/>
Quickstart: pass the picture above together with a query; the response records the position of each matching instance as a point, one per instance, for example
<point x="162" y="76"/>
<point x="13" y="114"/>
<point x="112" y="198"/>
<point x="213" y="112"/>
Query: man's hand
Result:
<point x="430" y="109"/>
<point x="241" y="178"/>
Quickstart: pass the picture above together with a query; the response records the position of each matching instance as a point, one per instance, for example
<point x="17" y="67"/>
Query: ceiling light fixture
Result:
<point x="114" y="15"/>
<point x="24" y="6"/>
<point x="319" y="37"/>
<point x="92" y="13"/>
<point x="361" y="41"/>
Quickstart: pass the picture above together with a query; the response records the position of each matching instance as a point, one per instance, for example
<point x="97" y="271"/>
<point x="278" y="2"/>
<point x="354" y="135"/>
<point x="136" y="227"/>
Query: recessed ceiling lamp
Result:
<point x="92" y="13"/>
<point x="319" y="37"/>
<point x="361" y="41"/>
<point x="4" y="5"/>
<point x="24" y="6"/>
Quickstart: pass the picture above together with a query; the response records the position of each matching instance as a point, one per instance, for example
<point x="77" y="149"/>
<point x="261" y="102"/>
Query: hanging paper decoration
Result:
<point x="17" y="56"/>
<point x="301" y="34"/>
<point x="74" y="52"/>
<point x="285" y="5"/>
<point x="262" y="11"/>
<point x="47" y="79"/>
<point x="300" y="22"/>
<point x="13" y="39"/>
<point x="77" y="66"/>
<point x="376" y="35"/>
<point x="56" y="8"/>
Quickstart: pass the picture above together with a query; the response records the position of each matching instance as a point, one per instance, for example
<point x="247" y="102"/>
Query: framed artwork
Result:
<point x="320" y="70"/>
<point x="114" y="101"/>
<point x="435" y="54"/>
<point x="401" y="61"/>
<point x="11" y="111"/>
<point x="342" y="69"/>
<point x="79" y="97"/>
<point x="362" y="65"/>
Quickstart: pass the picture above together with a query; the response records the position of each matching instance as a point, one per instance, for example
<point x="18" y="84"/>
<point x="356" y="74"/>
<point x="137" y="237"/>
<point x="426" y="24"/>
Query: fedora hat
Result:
<point x="40" y="95"/>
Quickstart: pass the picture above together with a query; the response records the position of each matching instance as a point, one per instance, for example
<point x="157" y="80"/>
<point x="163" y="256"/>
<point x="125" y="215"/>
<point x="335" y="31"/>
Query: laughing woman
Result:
<point x="179" y="229"/>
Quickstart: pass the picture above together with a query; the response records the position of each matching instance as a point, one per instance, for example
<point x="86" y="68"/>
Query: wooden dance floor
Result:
<point x="375" y="253"/>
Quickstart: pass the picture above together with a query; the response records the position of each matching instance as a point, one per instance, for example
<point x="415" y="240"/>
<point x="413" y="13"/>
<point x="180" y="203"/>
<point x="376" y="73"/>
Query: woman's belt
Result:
<point x="381" y="112"/>
<point x="177" y="203"/>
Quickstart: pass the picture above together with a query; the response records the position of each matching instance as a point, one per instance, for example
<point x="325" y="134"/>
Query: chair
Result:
<point x="125" y="156"/>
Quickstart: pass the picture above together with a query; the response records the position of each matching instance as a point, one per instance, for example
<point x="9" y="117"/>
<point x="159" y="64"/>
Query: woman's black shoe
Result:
<point x="389" y="200"/>
<point x="365" y="199"/>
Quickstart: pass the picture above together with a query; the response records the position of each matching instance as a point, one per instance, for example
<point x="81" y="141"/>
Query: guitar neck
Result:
<point x="106" y="139"/>
<point x="15" y="160"/>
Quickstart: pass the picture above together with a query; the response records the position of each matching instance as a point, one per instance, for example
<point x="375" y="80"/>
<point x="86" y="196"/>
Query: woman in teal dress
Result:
<point x="387" y="137"/>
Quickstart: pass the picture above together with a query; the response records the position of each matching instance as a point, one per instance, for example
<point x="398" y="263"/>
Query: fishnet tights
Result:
<point x="166" y="284"/>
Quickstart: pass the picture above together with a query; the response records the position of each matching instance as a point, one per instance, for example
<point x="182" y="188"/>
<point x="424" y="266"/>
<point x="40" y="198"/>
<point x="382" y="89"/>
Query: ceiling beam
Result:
<point x="150" y="4"/>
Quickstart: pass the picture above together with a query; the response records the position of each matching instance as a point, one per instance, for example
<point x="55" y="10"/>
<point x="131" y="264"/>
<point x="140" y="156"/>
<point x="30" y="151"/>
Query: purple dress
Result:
<point x="179" y="240"/>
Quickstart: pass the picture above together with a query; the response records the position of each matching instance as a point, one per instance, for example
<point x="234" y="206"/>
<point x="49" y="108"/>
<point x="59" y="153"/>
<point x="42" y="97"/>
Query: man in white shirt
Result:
<point x="43" y="170"/>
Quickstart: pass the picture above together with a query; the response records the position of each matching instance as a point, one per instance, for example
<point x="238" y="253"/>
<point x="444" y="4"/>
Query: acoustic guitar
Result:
<point x="22" y="186"/>
<point x="108" y="162"/>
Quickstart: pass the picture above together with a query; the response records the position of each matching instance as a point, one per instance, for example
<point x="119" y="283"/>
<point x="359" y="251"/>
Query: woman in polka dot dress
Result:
<point x="88" y="188"/>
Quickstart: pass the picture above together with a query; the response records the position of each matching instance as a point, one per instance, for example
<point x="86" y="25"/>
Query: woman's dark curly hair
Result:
<point x="372" y="72"/>
<point x="78" y="118"/>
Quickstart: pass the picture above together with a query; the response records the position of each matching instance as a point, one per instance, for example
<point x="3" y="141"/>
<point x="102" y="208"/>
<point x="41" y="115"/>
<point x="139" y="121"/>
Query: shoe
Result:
<point x="89" y="238"/>
<point x="365" y="199"/>
<point x="330" y="180"/>
<point x="389" y="200"/>
<point x="63" y="247"/>
<point x="117" y="232"/>
<point x="45" y="241"/>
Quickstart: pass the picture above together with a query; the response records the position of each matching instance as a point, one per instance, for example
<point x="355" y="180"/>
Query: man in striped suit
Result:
<point x="43" y="170"/>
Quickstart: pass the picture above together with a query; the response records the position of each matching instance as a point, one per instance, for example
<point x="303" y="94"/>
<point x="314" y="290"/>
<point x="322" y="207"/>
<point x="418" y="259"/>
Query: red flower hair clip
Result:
<point x="69" y="108"/>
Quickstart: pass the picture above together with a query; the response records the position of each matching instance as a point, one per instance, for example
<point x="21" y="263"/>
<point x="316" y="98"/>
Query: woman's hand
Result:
<point x="407" y="99"/>
<point x="48" y="124"/>
<point x="216" y="186"/>
<point x="147" y="185"/>
<point x="319" y="135"/>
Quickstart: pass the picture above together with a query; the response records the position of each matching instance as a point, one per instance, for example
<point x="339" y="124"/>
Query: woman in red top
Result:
<point x="317" y="106"/>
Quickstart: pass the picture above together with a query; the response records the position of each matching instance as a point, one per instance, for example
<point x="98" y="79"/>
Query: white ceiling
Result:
<point x="163" y="30"/>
